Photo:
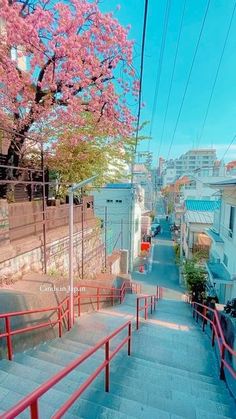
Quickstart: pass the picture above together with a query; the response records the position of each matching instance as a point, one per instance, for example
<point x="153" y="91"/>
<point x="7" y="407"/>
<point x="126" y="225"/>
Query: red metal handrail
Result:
<point x="216" y="332"/>
<point x="31" y="401"/>
<point x="60" y="309"/>
<point x="152" y="303"/>
<point x="113" y="293"/>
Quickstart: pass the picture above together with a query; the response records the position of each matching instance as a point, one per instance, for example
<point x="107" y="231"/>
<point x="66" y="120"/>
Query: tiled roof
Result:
<point x="228" y="182"/>
<point x="199" y="217"/>
<point x="201" y="205"/>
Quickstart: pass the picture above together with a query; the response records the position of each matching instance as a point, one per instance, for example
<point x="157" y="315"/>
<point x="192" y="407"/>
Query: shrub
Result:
<point x="195" y="278"/>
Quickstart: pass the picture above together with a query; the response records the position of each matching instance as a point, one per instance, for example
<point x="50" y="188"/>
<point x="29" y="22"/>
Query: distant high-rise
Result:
<point x="195" y="159"/>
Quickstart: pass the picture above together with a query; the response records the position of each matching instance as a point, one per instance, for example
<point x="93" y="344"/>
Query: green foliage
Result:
<point x="177" y="253"/>
<point x="195" y="278"/>
<point x="170" y="208"/>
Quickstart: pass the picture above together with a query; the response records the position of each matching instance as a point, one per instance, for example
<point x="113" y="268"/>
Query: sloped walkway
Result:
<point x="172" y="372"/>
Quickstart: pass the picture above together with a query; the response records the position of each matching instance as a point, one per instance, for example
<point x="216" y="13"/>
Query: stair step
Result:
<point x="118" y="404"/>
<point x="145" y="366"/>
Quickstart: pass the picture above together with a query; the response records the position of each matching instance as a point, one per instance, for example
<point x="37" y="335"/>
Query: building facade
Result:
<point x="119" y="207"/>
<point x="222" y="262"/>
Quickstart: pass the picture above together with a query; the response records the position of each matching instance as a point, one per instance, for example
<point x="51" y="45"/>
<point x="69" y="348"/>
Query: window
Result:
<point x="109" y="200"/>
<point x="231" y="221"/>
<point x="136" y="225"/>
<point x="225" y="260"/>
<point x="119" y="201"/>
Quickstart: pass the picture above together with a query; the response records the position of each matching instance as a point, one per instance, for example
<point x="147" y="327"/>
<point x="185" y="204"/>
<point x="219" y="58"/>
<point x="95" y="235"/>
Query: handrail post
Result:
<point x="137" y="314"/>
<point x="145" y="311"/>
<point x="129" y="341"/>
<point x="68" y="313"/>
<point x="222" y="357"/>
<point x="9" y="343"/>
<point x="59" y="321"/>
<point x="98" y="305"/>
<point x="120" y="295"/>
<point x="107" y="368"/>
<point x="157" y="292"/>
<point x="204" y="322"/>
<point x="213" y="331"/>
<point x="154" y="303"/>
<point x="79" y="301"/>
<point x="112" y="296"/>
<point x="151" y="303"/>
<point x="34" y="410"/>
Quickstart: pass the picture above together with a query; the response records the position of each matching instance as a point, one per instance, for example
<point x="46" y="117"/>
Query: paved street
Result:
<point x="164" y="271"/>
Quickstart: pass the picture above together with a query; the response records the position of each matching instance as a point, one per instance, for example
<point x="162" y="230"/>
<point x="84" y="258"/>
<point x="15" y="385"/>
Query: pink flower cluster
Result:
<point x="72" y="54"/>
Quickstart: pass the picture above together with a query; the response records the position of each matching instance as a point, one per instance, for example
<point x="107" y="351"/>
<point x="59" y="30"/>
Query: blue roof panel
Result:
<point x="201" y="205"/>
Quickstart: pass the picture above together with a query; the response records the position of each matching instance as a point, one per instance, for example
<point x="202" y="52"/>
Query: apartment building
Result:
<point x="222" y="262"/>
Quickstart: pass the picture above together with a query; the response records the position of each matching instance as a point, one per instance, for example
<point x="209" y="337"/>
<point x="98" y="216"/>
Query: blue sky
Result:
<point x="221" y="122"/>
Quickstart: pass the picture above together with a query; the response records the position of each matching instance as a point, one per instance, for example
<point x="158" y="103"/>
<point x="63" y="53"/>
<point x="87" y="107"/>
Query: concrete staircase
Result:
<point x="172" y="372"/>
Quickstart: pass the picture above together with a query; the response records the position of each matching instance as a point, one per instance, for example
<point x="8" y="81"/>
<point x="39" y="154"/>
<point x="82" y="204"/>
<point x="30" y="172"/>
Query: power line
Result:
<point x="159" y="68"/>
<point x="172" y="78"/>
<point x="230" y="144"/>
<point x="189" y="76"/>
<point x="217" y="73"/>
<point x="141" y="73"/>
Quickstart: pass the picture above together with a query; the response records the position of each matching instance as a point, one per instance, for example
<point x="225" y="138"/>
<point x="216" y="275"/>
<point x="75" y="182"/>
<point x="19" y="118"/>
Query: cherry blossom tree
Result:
<point x="78" y="60"/>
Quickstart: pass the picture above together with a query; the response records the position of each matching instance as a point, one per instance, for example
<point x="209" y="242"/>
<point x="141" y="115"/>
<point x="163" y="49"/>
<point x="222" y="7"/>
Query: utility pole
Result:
<point x="121" y="233"/>
<point x="82" y="238"/>
<point x="71" y="192"/>
<point x="105" y="235"/>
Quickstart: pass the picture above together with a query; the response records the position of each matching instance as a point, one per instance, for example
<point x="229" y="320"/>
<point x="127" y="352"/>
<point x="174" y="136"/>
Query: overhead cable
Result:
<point x="217" y="74"/>
<point x="159" y="68"/>
<point x="172" y="78"/>
<point x="189" y="76"/>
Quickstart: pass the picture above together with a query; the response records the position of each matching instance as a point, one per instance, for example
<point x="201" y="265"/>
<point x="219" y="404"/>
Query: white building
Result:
<point x="122" y="202"/>
<point x="143" y="177"/>
<point x="194" y="159"/>
<point x="168" y="176"/>
<point x="199" y="215"/>
<point x="222" y="263"/>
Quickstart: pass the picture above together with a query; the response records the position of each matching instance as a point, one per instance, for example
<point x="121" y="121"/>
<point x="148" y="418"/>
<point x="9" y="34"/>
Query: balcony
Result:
<point x="227" y="232"/>
<point x="218" y="273"/>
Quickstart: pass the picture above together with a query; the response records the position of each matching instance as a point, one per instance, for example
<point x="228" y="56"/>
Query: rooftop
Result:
<point x="228" y="182"/>
<point x="201" y="205"/>
<point x="199" y="217"/>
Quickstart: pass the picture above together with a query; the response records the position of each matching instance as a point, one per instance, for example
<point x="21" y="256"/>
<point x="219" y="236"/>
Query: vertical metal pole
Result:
<point x="129" y="341"/>
<point x="105" y="236"/>
<point x="44" y="213"/>
<point x="121" y="234"/>
<point x="82" y="244"/>
<point x="71" y="256"/>
<point x="9" y="342"/>
<point x="145" y="310"/>
<point x="107" y="368"/>
<point x="34" y="410"/>
<point x="222" y="373"/>
<point x="151" y="303"/>
<point x="137" y="314"/>
<point x="59" y="322"/>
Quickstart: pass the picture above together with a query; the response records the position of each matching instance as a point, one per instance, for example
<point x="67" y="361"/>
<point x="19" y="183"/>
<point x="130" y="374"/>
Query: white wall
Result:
<point x="123" y="217"/>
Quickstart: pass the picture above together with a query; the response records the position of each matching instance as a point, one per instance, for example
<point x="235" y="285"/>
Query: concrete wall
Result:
<point x="25" y="252"/>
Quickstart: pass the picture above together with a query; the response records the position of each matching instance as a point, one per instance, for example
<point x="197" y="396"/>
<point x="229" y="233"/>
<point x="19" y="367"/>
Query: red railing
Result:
<point x="149" y="301"/>
<point x="31" y="401"/>
<point x="61" y="311"/>
<point x="99" y="295"/>
<point x="202" y="311"/>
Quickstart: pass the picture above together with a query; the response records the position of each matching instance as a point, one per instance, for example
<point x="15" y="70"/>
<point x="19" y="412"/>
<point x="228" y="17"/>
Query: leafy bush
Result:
<point x="177" y="253"/>
<point x="195" y="278"/>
